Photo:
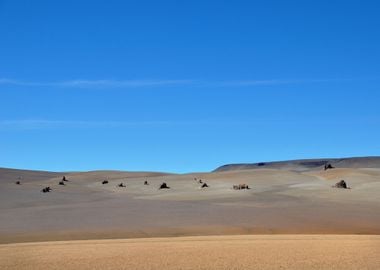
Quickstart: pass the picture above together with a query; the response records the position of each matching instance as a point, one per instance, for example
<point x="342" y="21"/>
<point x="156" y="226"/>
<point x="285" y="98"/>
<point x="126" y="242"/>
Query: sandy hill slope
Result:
<point x="307" y="164"/>
<point x="25" y="175"/>
<point x="278" y="201"/>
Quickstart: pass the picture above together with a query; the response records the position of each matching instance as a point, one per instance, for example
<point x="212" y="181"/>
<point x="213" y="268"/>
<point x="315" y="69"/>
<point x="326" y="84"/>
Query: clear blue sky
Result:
<point x="186" y="85"/>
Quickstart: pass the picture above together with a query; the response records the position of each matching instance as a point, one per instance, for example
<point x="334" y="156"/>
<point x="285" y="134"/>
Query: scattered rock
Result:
<point x="64" y="179"/>
<point x="18" y="183"/>
<point x="240" y="186"/>
<point x="61" y="183"/>
<point x="121" y="185"/>
<point x="328" y="166"/>
<point x="341" y="184"/>
<point x="146" y="183"/>
<point x="46" y="189"/>
<point x="164" y="185"/>
<point x="105" y="182"/>
<point x="204" y="185"/>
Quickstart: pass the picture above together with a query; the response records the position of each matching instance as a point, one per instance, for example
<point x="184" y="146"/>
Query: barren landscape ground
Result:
<point x="291" y="208"/>
<point x="299" y="252"/>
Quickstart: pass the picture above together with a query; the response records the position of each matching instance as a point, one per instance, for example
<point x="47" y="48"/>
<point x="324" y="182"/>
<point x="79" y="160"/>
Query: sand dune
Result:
<point x="279" y="201"/>
<point x="301" y="252"/>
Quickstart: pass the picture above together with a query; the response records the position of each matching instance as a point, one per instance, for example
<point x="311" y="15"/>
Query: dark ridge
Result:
<point x="314" y="163"/>
<point x="306" y="164"/>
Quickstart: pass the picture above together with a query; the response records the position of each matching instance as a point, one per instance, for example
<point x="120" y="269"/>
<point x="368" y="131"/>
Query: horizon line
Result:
<point x="143" y="83"/>
<point x="192" y="172"/>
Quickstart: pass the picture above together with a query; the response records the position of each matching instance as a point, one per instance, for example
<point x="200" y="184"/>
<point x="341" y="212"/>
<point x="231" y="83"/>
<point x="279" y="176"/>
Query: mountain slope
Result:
<point x="306" y="164"/>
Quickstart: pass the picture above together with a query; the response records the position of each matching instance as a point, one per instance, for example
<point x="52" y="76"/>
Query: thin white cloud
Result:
<point x="41" y="123"/>
<point x="96" y="83"/>
<point x="243" y="83"/>
<point x="37" y="124"/>
<point x="122" y="83"/>
<point x="30" y="124"/>
<point x="157" y="83"/>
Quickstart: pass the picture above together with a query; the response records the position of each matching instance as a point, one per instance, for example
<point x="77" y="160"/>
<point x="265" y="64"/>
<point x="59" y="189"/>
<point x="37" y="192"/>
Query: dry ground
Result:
<point x="279" y="202"/>
<point x="300" y="252"/>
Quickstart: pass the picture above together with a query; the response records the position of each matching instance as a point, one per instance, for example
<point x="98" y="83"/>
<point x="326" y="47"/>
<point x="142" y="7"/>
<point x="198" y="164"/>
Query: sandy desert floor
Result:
<point x="279" y="202"/>
<point x="289" y="219"/>
<point x="301" y="252"/>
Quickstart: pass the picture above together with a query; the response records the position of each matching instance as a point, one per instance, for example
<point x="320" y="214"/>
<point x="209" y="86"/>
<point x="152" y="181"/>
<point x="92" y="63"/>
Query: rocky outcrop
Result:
<point x="46" y="189"/>
<point x="341" y="184"/>
<point x="164" y="186"/>
<point x="240" y="186"/>
<point x="328" y="166"/>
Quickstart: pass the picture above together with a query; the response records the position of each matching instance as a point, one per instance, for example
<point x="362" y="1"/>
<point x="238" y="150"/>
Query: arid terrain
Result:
<point x="299" y="252"/>
<point x="294" y="200"/>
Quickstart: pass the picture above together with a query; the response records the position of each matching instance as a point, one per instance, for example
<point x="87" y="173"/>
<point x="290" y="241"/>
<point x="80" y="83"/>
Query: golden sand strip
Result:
<point x="204" y="252"/>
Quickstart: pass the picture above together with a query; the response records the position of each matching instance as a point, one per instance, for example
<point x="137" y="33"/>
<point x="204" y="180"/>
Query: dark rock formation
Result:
<point x="61" y="183"/>
<point x="105" y="182"/>
<point x="328" y="166"/>
<point x="240" y="186"/>
<point x="46" y="189"/>
<point x="341" y="184"/>
<point x="204" y="185"/>
<point x="164" y="186"/>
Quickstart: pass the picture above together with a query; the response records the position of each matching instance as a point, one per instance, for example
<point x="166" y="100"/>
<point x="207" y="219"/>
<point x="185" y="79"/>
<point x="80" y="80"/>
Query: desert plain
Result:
<point x="291" y="217"/>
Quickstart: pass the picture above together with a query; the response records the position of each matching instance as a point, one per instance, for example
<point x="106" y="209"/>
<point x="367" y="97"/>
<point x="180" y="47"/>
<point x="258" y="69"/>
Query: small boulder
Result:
<point x="105" y="182"/>
<point x="46" y="189"/>
<point x="61" y="183"/>
<point x="146" y="183"/>
<point x="204" y="185"/>
<point x="328" y="166"/>
<point x="241" y="186"/>
<point x="121" y="185"/>
<point x="341" y="184"/>
<point x="164" y="186"/>
<point x="18" y="183"/>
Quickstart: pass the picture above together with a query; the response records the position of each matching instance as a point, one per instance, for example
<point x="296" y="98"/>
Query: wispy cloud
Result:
<point x="157" y="83"/>
<point x="41" y="123"/>
<point x="31" y="124"/>
<point x="96" y="83"/>
<point x="243" y="83"/>
<point x="38" y="124"/>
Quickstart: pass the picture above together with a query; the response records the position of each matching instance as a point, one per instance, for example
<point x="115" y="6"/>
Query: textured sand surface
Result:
<point x="302" y="252"/>
<point x="279" y="202"/>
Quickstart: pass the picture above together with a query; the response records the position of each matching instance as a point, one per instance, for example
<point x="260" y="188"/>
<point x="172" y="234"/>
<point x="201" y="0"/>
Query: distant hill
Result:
<point x="26" y="175"/>
<point x="7" y="174"/>
<point x="306" y="164"/>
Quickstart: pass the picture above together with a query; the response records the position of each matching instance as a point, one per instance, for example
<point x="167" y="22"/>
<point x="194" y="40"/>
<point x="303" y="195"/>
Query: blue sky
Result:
<point x="186" y="86"/>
